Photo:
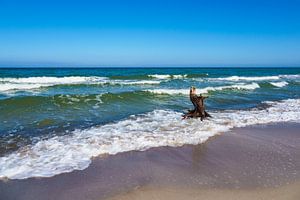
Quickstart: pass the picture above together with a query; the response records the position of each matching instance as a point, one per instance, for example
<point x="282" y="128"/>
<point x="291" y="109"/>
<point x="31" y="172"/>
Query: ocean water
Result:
<point x="54" y="121"/>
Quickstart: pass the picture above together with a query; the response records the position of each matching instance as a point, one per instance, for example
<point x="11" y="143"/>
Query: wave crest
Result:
<point x="255" y="78"/>
<point x="251" y="86"/>
<point x="168" y="76"/>
<point x="7" y="84"/>
<point x="279" y="84"/>
<point x="246" y="78"/>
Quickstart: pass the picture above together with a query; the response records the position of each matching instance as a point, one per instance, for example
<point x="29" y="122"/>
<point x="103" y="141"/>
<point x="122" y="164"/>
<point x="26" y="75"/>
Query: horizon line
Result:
<point x="122" y="67"/>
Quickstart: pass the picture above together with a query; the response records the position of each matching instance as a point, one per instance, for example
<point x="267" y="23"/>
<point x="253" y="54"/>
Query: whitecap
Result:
<point x="241" y="86"/>
<point x="30" y="83"/>
<point x="167" y="76"/>
<point x="279" y="84"/>
<point x="245" y="78"/>
<point x="290" y="76"/>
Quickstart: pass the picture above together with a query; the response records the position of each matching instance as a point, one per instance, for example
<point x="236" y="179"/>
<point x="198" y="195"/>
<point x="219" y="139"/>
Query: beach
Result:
<point x="287" y="192"/>
<point x="255" y="162"/>
<point x="107" y="133"/>
<point x="149" y="100"/>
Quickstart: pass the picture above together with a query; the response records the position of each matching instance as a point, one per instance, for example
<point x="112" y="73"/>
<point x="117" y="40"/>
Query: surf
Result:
<point x="241" y="86"/>
<point x="61" y="154"/>
<point x="30" y="83"/>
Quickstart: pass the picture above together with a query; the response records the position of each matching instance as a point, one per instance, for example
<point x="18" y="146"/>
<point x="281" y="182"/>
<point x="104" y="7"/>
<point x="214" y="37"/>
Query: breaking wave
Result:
<point x="255" y="78"/>
<point x="251" y="86"/>
<point x="168" y="76"/>
<point x="291" y="76"/>
<point x="157" y="76"/>
<point x="32" y="83"/>
<point x="279" y="84"/>
<point x="246" y="78"/>
<point x="62" y="154"/>
<point x="7" y="84"/>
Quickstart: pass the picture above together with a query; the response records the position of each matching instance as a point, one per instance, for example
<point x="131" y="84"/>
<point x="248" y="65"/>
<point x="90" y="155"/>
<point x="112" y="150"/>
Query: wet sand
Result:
<point x="254" y="162"/>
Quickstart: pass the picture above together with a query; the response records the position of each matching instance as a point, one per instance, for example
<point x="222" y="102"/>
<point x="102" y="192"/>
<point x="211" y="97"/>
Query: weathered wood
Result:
<point x="199" y="108"/>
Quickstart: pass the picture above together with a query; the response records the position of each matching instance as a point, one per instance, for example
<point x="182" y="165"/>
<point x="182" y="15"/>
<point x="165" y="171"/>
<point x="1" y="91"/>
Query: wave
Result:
<point x="32" y="103"/>
<point x="255" y="78"/>
<point x="251" y="86"/>
<point x="70" y="99"/>
<point x="8" y="84"/>
<point x="158" y="76"/>
<point x="141" y="82"/>
<point x="246" y="78"/>
<point x="62" y="154"/>
<point x="32" y="83"/>
<point x="52" y="80"/>
<point x="130" y="77"/>
<point x="168" y="76"/>
<point x="279" y="84"/>
<point x="290" y="76"/>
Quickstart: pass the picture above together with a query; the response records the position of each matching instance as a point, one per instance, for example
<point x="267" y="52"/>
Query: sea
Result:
<point x="56" y="120"/>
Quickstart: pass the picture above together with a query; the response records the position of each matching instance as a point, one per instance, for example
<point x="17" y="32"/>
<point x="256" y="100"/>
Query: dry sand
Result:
<point x="287" y="192"/>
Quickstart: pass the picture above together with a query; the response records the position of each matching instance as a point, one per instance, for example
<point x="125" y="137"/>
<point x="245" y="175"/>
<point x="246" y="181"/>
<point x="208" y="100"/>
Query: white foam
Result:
<point x="62" y="154"/>
<point x="179" y="76"/>
<point x="167" y="76"/>
<point x="241" y="86"/>
<point x="279" y="84"/>
<point x="52" y="80"/>
<point x="290" y="76"/>
<point x="29" y="83"/>
<point x="14" y="86"/>
<point x="140" y="82"/>
<point x="255" y="78"/>
<point x="169" y="91"/>
<point x="7" y="84"/>
<point x="245" y="78"/>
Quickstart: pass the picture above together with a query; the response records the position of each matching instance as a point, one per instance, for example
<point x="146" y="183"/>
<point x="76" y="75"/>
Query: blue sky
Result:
<point x="150" y="33"/>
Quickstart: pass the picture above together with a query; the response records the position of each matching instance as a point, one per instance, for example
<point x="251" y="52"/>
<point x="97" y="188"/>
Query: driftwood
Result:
<point x="199" y="108"/>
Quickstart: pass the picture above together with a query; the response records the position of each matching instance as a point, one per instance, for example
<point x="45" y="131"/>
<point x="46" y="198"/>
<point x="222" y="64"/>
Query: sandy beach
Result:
<point x="258" y="162"/>
<point x="288" y="192"/>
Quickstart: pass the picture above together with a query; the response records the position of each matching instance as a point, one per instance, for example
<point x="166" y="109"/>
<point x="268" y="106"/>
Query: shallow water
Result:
<point x="251" y="159"/>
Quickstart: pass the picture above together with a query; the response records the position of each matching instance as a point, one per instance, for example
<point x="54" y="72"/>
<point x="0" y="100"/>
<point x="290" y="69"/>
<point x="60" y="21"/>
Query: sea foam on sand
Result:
<point x="157" y="128"/>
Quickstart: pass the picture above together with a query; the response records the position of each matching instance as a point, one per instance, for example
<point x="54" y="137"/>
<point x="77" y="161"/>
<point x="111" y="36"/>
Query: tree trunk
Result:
<point x="199" y="109"/>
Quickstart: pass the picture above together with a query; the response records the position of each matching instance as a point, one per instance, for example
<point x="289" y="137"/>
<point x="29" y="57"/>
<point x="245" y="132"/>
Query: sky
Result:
<point x="181" y="33"/>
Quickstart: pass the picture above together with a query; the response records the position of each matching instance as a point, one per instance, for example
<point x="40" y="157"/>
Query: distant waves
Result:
<point x="7" y="84"/>
<point x="33" y="83"/>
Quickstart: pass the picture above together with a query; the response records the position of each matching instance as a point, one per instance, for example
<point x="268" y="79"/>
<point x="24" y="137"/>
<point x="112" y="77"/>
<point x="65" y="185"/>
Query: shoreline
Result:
<point x="249" y="158"/>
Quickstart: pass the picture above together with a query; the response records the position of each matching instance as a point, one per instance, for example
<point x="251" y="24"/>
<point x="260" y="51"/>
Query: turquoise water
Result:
<point x="40" y="104"/>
